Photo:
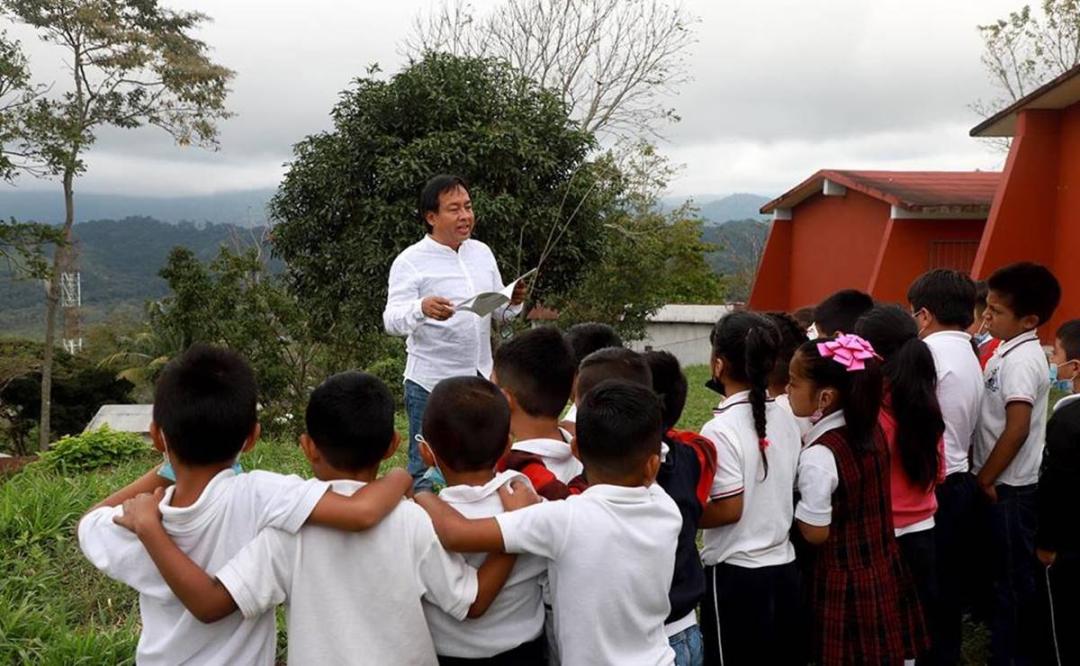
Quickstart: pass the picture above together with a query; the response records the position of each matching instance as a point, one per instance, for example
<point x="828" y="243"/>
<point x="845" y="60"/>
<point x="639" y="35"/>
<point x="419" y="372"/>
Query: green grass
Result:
<point x="57" y="609"/>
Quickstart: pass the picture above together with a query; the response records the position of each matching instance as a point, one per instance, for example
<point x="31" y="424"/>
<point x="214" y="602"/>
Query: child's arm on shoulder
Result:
<point x="365" y="508"/>
<point x="483" y="535"/>
<point x="1017" y="426"/>
<point x="147" y="483"/>
<point x="204" y="596"/>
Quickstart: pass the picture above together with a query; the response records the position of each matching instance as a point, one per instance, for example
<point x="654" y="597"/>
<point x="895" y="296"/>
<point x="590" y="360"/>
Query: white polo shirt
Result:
<point x="556" y="455"/>
<point x="760" y="537"/>
<point x="353" y="597"/>
<point x="818" y="476"/>
<point x="226" y="517"/>
<point x="959" y="392"/>
<point x="612" y="557"/>
<point x="517" y="614"/>
<point x="1017" y="372"/>
<point x="461" y="345"/>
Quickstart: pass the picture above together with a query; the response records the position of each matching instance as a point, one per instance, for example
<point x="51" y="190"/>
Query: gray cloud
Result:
<point x="780" y="88"/>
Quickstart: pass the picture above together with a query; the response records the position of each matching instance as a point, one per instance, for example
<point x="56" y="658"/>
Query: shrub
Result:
<point x="81" y="453"/>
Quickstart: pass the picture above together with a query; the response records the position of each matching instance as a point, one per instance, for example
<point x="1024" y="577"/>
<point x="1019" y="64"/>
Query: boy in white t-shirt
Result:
<point x="611" y="549"/>
<point x="466" y="426"/>
<point x="1010" y="438"/>
<point x="943" y="304"/>
<point x="352" y="597"/>
<point x="536" y="370"/>
<point x="204" y="416"/>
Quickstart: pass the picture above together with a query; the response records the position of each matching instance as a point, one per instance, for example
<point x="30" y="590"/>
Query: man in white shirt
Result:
<point x="943" y="303"/>
<point x="611" y="549"/>
<point x="427" y="280"/>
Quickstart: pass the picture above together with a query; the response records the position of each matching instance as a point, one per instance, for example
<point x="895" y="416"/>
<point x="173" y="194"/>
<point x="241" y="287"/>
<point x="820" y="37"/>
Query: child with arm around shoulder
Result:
<point x="204" y="416"/>
<point x="621" y="526"/>
<point x="340" y="587"/>
<point x="859" y="581"/>
<point x="750" y="612"/>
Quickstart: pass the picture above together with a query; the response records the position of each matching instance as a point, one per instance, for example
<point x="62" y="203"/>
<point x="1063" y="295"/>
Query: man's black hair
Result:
<point x="1069" y="335"/>
<point x="467" y="423"/>
<point x="586" y="338"/>
<point x="537" y="367"/>
<point x="1027" y="289"/>
<point x="350" y="417"/>
<point x="619" y="425"/>
<point x="792" y="336"/>
<point x="612" y="363"/>
<point x="670" y="385"/>
<point x="429" y="195"/>
<point x="839" y="312"/>
<point x="947" y="294"/>
<point x="204" y="403"/>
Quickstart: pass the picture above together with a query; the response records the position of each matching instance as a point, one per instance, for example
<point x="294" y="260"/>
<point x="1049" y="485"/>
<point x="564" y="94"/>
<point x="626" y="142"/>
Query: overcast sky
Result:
<point x="779" y="89"/>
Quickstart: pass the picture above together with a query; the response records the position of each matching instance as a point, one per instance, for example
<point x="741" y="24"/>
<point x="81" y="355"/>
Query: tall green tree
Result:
<point x="348" y="203"/>
<point x="131" y="63"/>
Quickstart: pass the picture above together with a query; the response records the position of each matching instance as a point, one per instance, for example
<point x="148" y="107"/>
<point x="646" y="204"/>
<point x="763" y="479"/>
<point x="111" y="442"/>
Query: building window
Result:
<point x="957" y="255"/>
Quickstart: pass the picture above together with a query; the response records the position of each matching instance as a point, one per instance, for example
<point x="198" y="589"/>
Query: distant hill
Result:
<point x="724" y="209"/>
<point x="119" y="261"/>
<point x="246" y="208"/>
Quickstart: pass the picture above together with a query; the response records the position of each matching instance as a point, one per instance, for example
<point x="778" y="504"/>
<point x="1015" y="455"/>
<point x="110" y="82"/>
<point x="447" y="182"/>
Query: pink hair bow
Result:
<point x="848" y="350"/>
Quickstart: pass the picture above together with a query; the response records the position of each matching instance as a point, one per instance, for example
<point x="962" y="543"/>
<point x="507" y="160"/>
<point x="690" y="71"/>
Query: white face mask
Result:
<point x="812" y="332"/>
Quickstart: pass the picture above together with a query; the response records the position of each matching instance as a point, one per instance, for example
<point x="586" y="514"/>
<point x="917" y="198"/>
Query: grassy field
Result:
<point x="57" y="609"/>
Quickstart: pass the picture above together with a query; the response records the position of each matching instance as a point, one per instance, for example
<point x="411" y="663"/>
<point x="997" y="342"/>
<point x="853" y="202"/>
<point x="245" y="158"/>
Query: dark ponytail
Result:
<point x="859" y="391"/>
<point x="748" y="343"/>
<point x="911" y="381"/>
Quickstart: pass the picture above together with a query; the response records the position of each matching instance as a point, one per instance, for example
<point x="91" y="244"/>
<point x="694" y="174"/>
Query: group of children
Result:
<point x="838" y="488"/>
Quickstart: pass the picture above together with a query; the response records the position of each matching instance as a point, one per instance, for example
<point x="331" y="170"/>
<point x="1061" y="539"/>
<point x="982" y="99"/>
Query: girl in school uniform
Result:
<point x="914" y="427"/>
<point x="751" y="605"/>
<point x="864" y="609"/>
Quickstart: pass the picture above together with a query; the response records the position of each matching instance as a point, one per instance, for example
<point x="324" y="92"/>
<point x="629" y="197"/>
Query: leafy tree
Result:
<point x="1026" y="49"/>
<point x="17" y="94"/>
<point x="81" y="388"/>
<point x="23" y="245"/>
<point x="347" y="205"/>
<point x="131" y="63"/>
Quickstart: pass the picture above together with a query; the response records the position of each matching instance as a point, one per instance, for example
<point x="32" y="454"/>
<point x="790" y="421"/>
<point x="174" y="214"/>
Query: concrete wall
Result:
<point x="689" y="342"/>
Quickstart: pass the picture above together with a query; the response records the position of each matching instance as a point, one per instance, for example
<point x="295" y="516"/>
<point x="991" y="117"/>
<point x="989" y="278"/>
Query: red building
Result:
<point x="1036" y="211"/>
<point x="869" y="230"/>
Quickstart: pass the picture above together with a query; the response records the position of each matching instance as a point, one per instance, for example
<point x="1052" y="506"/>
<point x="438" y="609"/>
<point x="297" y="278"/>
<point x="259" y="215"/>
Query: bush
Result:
<point x="391" y="370"/>
<point x="81" y="453"/>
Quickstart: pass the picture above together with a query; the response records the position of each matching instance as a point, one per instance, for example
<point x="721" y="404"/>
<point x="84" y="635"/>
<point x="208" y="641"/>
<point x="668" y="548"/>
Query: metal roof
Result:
<point x="1062" y="92"/>
<point x="964" y="191"/>
<point x="123" y="418"/>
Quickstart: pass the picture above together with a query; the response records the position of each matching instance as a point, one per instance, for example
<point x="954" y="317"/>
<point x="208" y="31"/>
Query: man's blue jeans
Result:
<point x="416" y="398"/>
<point x="688" y="647"/>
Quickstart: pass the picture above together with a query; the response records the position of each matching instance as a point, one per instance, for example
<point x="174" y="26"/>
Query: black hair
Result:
<point x="981" y="291"/>
<point x="537" y="366"/>
<point x="1069" y="335"/>
<point x="437" y="185"/>
<point x="612" y="363"/>
<point x="467" y="423"/>
<point x="912" y="384"/>
<point x="837" y="313"/>
<point x="947" y="294"/>
<point x="619" y="425"/>
<point x="748" y="343"/>
<point x="1028" y="289"/>
<point x="350" y="417"/>
<point x="792" y="334"/>
<point x="670" y="385"/>
<point x="204" y="402"/>
<point x="805" y="316"/>
<point x="859" y="391"/>
<point x="591" y="336"/>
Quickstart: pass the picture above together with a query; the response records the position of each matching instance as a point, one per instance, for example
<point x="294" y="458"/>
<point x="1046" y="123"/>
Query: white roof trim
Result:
<point x="831" y="188"/>
<point x="781" y="214"/>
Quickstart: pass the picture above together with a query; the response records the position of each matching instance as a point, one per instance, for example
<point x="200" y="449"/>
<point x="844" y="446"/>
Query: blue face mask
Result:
<point x="167" y="471"/>
<point x="981" y="338"/>
<point x="1063" y="385"/>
